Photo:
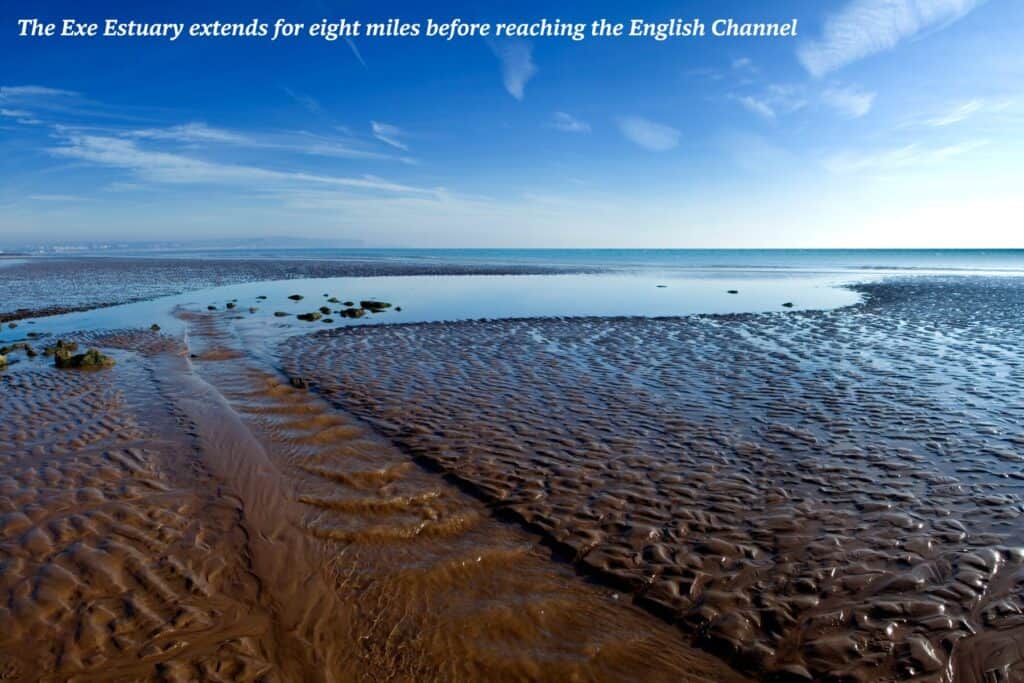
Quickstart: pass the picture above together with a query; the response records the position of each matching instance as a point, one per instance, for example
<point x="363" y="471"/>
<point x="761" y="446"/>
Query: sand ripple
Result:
<point x="818" y="495"/>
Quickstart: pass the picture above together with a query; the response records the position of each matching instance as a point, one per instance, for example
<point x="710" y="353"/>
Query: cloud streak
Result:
<point x="517" y="67"/>
<point x="389" y="135"/>
<point x="866" y="27"/>
<point x="174" y="168"/>
<point x="567" y="123"/>
<point x="648" y="134"/>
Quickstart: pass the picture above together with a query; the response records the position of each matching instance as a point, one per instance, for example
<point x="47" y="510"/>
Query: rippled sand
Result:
<point x="189" y="515"/>
<point x="810" y="495"/>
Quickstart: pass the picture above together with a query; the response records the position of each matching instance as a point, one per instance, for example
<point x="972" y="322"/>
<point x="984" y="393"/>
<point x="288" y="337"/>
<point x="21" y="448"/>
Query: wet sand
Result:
<point x="188" y="515"/>
<point x="800" y="496"/>
<point x="831" y="495"/>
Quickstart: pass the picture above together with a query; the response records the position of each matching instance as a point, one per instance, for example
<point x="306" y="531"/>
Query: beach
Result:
<point x="710" y="476"/>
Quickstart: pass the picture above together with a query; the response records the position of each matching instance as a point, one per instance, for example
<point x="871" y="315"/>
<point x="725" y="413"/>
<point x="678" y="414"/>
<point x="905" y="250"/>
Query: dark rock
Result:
<point x="299" y="383"/>
<point x="325" y="310"/>
<point x="154" y="327"/>
<point x="281" y="314"/>
<point x="661" y="286"/>
<point x="12" y="325"/>
<point x="309" y="317"/>
<point x="788" y="304"/>
<point x="733" y="291"/>
<point x="374" y="306"/>
<point x="261" y="297"/>
<point x="90" y="360"/>
<point x="61" y="347"/>
<point x="347" y="303"/>
<point x="328" y="320"/>
<point x="398" y="308"/>
<point x="333" y="300"/>
<point x="353" y="313"/>
<point x="211" y="307"/>
<point x="253" y="309"/>
<point x="231" y="305"/>
<point x="296" y="297"/>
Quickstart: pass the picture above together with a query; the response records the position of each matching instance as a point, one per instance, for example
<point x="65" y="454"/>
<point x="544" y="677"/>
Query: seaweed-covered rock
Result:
<point x="3" y="361"/>
<point x="90" y="360"/>
<point x="61" y="347"/>
<point x="325" y="310"/>
<point x="310" y="317"/>
<point x="353" y="313"/>
<point x="374" y="306"/>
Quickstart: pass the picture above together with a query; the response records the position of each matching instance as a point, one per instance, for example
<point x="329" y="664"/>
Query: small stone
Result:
<point x="788" y="304"/>
<point x="231" y="305"/>
<point x="154" y="327"/>
<point x="296" y="297"/>
<point x="309" y="317"/>
<point x="733" y="291"/>
<point x="281" y="314"/>
<point x="211" y="307"/>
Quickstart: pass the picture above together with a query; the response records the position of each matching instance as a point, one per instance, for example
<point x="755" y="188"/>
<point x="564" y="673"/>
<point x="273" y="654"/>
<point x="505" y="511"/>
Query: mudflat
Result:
<point x="812" y="495"/>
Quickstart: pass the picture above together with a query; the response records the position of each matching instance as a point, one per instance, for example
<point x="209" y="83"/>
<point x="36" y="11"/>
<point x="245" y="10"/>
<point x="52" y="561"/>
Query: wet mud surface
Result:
<point x="810" y="496"/>
<point x="52" y="285"/>
<point x="188" y="515"/>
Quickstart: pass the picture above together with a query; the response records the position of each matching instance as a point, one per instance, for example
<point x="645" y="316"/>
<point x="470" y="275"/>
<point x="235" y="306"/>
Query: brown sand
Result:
<point x="171" y="519"/>
<point x="828" y="496"/>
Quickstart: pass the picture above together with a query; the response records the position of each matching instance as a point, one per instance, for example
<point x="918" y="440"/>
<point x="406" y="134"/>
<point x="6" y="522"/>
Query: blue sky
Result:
<point x="885" y="123"/>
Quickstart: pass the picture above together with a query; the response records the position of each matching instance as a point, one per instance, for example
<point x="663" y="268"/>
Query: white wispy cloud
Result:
<point x="20" y="115"/>
<point x="957" y="114"/>
<point x="517" y="66"/>
<point x="757" y="106"/>
<point x="569" y="123"/>
<point x="355" y="51"/>
<point x="56" y="197"/>
<point x="648" y="134"/>
<point x="898" y="158"/>
<point x="389" y="134"/>
<point x="11" y="92"/>
<point x="866" y="27"/>
<point x="193" y="132"/>
<point x="297" y="142"/>
<point x="158" y="166"/>
<point x="742" y="63"/>
<point x="849" y="101"/>
<point x="306" y="101"/>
